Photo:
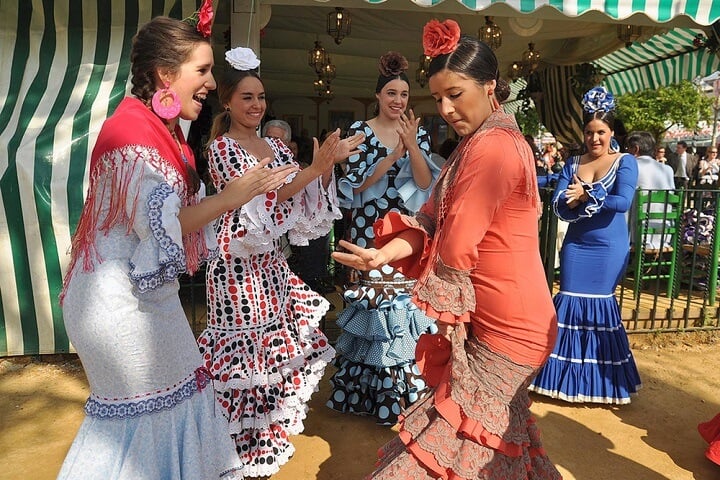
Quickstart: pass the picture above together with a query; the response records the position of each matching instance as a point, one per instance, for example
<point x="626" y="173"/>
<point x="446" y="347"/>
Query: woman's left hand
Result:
<point x="359" y="258"/>
<point x="408" y="129"/>
<point x="324" y="155"/>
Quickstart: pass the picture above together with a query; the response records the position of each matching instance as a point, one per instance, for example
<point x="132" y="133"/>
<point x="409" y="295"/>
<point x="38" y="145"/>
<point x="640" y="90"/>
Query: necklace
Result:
<point x="179" y="145"/>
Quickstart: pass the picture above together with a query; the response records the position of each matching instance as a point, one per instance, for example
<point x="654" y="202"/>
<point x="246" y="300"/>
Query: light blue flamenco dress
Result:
<point x="377" y="375"/>
<point x="591" y="360"/>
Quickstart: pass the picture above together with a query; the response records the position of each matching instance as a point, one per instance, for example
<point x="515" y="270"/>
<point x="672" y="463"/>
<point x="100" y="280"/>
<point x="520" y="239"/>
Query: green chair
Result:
<point x="656" y="241"/>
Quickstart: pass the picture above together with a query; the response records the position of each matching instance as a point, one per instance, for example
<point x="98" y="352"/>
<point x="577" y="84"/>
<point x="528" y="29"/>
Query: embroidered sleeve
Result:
<point x="159" y="256"/>
<point x="448" y="290"/>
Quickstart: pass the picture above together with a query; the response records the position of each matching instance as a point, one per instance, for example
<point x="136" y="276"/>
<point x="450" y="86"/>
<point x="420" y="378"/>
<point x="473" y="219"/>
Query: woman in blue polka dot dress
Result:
<point x="376" y="373"/>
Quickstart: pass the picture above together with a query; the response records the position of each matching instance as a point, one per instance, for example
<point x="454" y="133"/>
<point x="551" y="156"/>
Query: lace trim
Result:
<point x="131" y="407"/>
<point x="169" y="270"/>
<point x="424" y="221"/>
<point x="448" y="290"/>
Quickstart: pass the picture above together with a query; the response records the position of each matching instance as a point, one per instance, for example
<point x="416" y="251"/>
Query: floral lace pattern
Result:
<point x="496" y="436"/>
<point x="448" y="290"/>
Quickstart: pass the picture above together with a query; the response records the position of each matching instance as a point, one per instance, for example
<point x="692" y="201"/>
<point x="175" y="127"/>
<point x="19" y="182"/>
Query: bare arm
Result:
<point x="255" y="181"/>
<point x="405" y="244"/>
<point x="408" y="134"/>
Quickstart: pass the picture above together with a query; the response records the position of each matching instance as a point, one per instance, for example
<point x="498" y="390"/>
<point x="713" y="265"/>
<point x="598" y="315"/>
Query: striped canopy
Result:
<point x="65" y="68"/>
<point x="662" y="60"/>
<point x="702" y="12"/>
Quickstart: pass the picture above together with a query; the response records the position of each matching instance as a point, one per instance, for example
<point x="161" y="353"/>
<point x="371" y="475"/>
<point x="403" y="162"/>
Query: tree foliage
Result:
<point x="656" y="111"/>
<point x="527" y="116"/>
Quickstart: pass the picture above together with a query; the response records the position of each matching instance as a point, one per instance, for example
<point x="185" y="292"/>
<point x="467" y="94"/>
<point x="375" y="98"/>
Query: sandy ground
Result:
<point x="653" y="438"/>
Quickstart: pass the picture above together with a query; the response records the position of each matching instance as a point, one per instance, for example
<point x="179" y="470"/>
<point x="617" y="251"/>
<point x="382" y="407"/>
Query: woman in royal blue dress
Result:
<point x="592" y="361"/>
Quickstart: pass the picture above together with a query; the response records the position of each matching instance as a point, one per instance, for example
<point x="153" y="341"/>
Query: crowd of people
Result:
<point x="448" y="324"/>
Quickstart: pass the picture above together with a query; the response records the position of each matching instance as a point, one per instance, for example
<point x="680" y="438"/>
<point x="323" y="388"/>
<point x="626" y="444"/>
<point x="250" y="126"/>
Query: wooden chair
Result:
<point x="655" y="250"/>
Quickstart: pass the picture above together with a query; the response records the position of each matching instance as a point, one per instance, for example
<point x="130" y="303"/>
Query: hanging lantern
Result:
<point x="421" y="73"/>
<point x="530" y="60"/>
<point x="628" y="33"/>
<point x="318" y="58"/>
<point x="319" y="86"/>
<point x="491" y="34"/>
<point x="515" y="71"/>
<point x="338" y="24"/>
<point x="328" y="72"/>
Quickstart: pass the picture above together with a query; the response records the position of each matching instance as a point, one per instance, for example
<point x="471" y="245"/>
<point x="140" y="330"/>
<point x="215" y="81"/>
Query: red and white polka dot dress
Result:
<point x="262" y="342"/>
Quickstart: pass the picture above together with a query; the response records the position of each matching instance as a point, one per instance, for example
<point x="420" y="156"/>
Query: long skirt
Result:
<point x="477" y="425"/>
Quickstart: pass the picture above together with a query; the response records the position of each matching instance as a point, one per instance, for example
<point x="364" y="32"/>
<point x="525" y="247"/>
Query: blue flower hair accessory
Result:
<point x="598" y="99"/>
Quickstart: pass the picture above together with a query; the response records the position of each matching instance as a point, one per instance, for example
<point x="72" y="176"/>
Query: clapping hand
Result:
<point x="408" y="128"/>
<point x="348" y="147"/>
<point x="256" y="180"/>
<point x="359" y="258"/>
<point x="324" y="155"/>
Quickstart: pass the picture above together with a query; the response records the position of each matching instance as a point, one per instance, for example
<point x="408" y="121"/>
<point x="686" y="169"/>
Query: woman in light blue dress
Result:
<point x="376" y="372"/>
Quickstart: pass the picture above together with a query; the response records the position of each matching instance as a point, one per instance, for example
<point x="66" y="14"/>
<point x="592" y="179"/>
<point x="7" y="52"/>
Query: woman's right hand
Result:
<point x="359" y="258"/>
<point x="256" y="180"/>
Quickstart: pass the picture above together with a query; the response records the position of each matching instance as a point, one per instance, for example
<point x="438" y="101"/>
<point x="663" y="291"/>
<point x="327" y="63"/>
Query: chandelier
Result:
<point x="421" y="73"/>
<point x="318" y="58"/>
<point x="327" y="94"/>
<point x="491" y="34"/>
<point x="628" y="33"/>
<point x="338" y="24"/>
<point x="527" y="65"/>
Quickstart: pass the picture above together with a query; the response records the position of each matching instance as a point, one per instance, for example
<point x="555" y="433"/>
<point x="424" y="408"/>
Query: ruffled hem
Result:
<point x="591" y="360"/>
<point x="242" y="358"/>
<point x="481" y="428"/>
<point x="262" y="407"/>
<point x="382" y="337"/>
<point x="378" y="392"/>
<point x="196" y="444"/>
<point x="263" y="452"/>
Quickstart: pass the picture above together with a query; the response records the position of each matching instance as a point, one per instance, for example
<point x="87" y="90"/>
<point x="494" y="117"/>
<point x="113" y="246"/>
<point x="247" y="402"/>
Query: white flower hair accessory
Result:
<point x="598" y="99"/>
<point x="241" y="58"/>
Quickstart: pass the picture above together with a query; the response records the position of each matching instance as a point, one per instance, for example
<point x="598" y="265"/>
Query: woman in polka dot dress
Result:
<point x="376" y="372"/>
<point x="262" y="342"/>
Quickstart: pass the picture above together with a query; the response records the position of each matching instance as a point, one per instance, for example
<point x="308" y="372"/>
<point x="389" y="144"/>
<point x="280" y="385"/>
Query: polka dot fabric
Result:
<point x="262" y="342"/>
<point x="376" y="373"/>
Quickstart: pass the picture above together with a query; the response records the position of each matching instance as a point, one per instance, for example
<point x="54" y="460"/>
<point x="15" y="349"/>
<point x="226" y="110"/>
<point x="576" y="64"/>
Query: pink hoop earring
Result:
<point x="160" y="106"/>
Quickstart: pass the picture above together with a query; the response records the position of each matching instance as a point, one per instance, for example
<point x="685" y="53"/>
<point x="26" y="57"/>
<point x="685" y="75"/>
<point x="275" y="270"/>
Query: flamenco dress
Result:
<point x="591" y="360"/>
<point x="376" y="372"/>
<point x="710" y="432"/>
<point x="480" y="248"/>
<point x="262" y="343"/>
<point x="151" y="414"/>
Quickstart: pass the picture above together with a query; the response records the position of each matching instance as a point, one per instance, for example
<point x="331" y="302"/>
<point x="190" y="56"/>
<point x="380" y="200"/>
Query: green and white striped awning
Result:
<point x="662" y="60"/>
<point x="702" y="12"/>
<point x="65" y="66"/>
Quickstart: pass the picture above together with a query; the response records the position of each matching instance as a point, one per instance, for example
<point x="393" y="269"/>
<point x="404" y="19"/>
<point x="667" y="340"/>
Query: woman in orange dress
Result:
<point x="474" y="249"/>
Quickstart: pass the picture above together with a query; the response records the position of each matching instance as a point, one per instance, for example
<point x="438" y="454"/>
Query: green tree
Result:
<point x="527" y="116"/>
<point x="655" y="111"/>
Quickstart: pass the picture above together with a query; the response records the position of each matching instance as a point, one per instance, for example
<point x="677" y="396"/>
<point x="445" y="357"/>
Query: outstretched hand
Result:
<point x="358" y="257"/>
<point x="348" y="147"/>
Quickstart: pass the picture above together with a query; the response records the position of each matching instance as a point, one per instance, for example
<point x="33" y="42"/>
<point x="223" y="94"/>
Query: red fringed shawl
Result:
<point x="132" y="125"/>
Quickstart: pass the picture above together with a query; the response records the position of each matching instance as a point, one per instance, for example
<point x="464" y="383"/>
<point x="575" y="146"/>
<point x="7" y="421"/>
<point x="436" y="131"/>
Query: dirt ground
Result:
<point x="653" y="438"/>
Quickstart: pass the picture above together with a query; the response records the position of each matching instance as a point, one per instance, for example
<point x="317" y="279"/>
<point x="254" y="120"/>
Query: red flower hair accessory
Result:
<point x="440" y="37"/>
<point x="202" y="19"/>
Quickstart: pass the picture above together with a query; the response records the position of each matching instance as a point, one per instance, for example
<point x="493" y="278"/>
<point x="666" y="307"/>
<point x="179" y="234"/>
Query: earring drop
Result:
<point x="166" y="103"/>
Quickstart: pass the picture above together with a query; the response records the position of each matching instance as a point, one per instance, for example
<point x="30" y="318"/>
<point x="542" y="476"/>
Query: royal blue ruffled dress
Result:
<point x="591" y="360"/>
<point x="377" y="375"/>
